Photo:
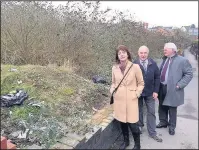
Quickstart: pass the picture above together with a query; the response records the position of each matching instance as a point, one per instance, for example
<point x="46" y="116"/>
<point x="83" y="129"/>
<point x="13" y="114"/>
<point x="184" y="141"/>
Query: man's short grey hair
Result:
<point x="172" y="46"/>
<point x="143" y="47"/>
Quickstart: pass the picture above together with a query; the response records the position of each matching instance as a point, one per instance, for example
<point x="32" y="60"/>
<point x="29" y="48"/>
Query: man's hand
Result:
<point x="177" y="87"/>
<point x="155" y="95"/>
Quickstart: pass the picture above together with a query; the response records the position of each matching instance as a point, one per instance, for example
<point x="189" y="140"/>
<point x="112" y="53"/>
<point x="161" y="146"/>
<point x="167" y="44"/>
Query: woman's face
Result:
<point x="122" y="55"/>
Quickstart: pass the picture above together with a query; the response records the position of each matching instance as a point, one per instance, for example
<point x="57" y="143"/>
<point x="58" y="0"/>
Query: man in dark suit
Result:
<point x="151" y="76"/>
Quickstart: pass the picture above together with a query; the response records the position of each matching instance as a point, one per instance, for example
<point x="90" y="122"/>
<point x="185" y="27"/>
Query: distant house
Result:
<point x="167" y="31"/>
<point x="185" y="28"/>
<point x="152" y="29"/>
<point x="168" y="28"/>
<point x="163" y="31"/>
<point x="191" y="30"/>
<point x="194" y="33"/>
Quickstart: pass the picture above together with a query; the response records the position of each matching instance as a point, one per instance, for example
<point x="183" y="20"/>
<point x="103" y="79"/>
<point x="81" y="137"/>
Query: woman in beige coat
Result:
<point x="126" y="97"/>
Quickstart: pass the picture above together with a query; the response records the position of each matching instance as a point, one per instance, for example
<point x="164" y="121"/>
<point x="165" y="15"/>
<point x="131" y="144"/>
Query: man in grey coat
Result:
<point x="175" y="74"/>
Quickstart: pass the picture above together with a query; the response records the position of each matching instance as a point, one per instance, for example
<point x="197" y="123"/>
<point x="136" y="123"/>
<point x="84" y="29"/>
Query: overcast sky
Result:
<point x="157" y="13"/>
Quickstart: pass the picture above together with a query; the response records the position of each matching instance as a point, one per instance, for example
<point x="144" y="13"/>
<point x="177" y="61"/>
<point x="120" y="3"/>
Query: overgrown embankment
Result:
<point x="59" y="102"/>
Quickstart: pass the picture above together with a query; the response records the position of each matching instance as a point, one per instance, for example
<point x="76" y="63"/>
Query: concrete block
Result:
<point x="69" y="141"/>
<point x="61" y="146"/>
<point x="75" y="136"/>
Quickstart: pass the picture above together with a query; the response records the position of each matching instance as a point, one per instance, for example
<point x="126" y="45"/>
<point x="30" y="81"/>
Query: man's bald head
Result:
<point x="143" y="48"/>
<point x="143" y="52"/>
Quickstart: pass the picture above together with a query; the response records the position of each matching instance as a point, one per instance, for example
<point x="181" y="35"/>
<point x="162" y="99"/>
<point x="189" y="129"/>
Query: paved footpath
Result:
<point x="186" y="136"/>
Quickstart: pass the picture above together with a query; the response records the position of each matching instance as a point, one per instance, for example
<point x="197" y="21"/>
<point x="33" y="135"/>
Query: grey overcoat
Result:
<point x="180" y="73"/>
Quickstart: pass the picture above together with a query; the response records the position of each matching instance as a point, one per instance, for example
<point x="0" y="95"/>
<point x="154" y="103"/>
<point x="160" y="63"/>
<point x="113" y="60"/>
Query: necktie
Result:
<point x="144" y="65"/>
<point x="164" y="70"/>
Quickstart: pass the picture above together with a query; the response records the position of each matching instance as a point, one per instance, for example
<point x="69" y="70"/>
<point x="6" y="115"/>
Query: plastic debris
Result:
<point x="13" y="70"/>
<point x="99" y="79"/>
<point x="14" y="99"/>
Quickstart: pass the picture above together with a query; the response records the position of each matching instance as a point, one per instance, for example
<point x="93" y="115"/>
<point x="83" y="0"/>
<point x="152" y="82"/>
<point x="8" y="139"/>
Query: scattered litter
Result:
<point x="15" y="134"/>
<point x="19" y="82"/>
<point x="24" y="135"/>
<point x="83" y="113"/>
<point x="13" y="70"/>
<point x="2" y="132"/>
<point x="99" y="79"/>
<point x="94" y="109"/>
<point x="10" y="112"/>
<point x="37" y="104"/>
<point x="13" y="99"/>
<point x="43" y="128"/>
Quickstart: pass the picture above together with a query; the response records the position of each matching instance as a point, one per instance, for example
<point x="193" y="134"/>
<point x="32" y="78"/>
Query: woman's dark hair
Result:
<point x="123" y="48"/>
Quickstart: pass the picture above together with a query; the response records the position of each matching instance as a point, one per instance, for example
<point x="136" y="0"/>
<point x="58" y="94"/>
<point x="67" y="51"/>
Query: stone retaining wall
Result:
<point x="106" y="131"/>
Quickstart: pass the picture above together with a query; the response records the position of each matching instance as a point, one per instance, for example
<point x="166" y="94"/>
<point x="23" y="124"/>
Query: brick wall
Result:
<point x="6" y="144"/>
